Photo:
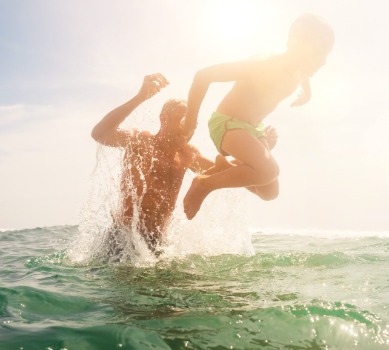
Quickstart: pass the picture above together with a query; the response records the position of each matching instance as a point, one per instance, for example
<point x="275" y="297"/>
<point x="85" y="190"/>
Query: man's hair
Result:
<point x="170" y="105"/>
<point x="312" y="30"/>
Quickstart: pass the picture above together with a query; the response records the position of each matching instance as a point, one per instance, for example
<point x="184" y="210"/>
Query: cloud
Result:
<point x="9" y="115"/>
<point x="21" y="116"/>
<point x="45" y="165"/>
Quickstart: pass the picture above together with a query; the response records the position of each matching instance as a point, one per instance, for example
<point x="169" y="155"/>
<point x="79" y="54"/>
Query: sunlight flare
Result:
<point x="241" y="26"/>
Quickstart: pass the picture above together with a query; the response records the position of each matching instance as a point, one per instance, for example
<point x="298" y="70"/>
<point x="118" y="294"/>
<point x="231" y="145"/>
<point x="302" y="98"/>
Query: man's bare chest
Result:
<point x="151" y="165"/>
<point x="166" y="167"/>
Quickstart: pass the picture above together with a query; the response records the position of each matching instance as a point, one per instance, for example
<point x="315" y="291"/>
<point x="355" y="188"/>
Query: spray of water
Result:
<point x="221" y="226"/>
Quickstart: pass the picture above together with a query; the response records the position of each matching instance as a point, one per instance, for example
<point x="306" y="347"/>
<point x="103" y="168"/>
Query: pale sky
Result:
<point x="65" y="64"/>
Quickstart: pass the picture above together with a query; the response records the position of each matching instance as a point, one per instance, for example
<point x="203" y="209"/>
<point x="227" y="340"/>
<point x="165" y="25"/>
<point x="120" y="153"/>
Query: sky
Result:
<point x="65" y="64"/>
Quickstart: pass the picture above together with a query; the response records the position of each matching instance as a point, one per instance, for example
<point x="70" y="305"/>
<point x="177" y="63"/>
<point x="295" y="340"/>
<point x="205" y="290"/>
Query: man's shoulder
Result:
<point x="188" y="152"/>
<point x="137" y="139"/>
<point x="142" y="135"/>
<point x="190" y="148"/>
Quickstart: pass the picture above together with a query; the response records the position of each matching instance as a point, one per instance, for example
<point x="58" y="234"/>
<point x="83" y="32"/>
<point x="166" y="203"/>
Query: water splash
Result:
<point x="98" y="231"/>
<point x="221" y="226"/>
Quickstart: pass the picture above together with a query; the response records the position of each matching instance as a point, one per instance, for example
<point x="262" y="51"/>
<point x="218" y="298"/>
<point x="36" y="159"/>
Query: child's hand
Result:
<point x="271" y="136"/>
<point x="303" y="96"/>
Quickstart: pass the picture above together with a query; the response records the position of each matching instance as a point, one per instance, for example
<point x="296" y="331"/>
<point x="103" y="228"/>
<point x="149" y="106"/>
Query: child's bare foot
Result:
<point x="195" y="197"/>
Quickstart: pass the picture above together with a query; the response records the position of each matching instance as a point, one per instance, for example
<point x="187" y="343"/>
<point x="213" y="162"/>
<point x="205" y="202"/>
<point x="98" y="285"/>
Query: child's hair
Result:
<point x="313" y="30"/>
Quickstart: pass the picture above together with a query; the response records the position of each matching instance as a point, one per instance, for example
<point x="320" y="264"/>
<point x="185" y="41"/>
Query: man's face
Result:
<point x="172" y="121"/>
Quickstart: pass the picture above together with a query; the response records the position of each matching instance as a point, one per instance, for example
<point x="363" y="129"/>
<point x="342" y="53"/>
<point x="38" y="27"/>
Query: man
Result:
<point x="153" y="166"/>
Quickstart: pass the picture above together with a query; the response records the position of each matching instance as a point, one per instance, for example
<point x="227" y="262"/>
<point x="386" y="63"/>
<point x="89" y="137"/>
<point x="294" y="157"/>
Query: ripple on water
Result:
<point x="31" y="305"/>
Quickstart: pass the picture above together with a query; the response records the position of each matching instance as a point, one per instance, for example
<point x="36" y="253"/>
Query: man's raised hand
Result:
<point x="152" y="84"/>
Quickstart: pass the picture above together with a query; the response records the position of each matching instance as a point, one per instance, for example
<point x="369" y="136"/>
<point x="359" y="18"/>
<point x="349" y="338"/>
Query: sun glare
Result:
<point x="240" y="26"/>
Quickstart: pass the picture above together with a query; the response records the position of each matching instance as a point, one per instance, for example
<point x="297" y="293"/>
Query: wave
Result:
<point x="268" y="231"/>
<point x="317" y="232"/>
<point x="317" y="324"/>
<point x="294" y="292"/>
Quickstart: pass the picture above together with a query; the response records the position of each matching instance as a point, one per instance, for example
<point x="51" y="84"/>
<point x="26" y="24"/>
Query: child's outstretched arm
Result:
<point x="305" y="94"/>
<point x="196" y="96"/>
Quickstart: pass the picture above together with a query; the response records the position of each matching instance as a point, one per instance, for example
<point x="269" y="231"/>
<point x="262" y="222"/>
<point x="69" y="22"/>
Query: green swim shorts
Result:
<point x="219" y="123"/>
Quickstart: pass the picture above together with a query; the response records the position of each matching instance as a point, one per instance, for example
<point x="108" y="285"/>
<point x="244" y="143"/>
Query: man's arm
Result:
<point x="107" y="131"/>
<point x="199" y="164"/>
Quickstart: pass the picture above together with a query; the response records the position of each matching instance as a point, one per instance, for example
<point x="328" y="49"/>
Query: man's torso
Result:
<point x="151" y="180"/>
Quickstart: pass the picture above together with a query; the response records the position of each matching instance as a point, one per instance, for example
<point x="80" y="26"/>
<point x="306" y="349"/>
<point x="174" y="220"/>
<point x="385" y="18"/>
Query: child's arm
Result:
<point x="196" y="96"/>
<point x="304" y="95"/>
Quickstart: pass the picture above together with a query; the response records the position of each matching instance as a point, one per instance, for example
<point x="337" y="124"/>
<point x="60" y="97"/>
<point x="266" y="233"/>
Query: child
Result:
<point x="236" y="127"/>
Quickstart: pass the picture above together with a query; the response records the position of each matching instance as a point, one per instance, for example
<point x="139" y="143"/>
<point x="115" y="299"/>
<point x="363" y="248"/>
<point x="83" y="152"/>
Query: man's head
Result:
<point x="172" y="113"/>
<point x="312" y="39"/>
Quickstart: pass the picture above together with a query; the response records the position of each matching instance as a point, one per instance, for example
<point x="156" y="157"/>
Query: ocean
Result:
<point x="278" y="290"/>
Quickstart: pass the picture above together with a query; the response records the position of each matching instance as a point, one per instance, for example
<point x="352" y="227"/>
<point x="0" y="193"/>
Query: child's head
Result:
<point x="311" y="38"/>
<point x="311" y="30"/>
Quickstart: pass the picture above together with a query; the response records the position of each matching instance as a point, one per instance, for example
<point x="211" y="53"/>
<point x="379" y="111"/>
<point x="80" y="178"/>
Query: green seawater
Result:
<point x="296" y="291"/>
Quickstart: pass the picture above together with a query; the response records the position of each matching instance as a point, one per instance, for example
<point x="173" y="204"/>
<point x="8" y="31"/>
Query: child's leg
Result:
<point x="221" y="163"/>
<point x="251" y="151"/>
<point x="267" y="192"/>
<point x="258" y="168"/>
